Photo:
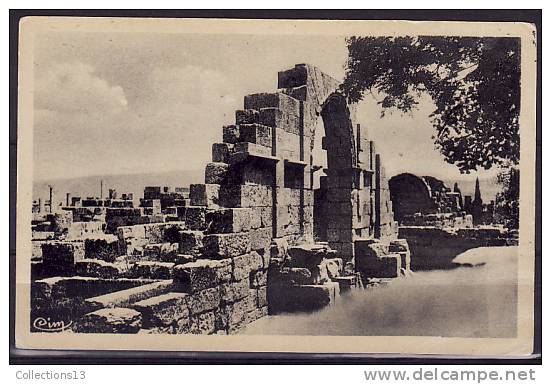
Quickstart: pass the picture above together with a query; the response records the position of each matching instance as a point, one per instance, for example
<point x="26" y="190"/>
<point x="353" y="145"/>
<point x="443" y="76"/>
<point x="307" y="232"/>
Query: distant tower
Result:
<point x="476" y="209"/>
<point x="477" y="197"/>
<point x="51" y="193"/>
<point x="101" y="189"/>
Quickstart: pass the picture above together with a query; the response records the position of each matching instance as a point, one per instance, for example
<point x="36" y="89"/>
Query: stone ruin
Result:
<point x="255" y="239"/>
<point x="437" y="224"/>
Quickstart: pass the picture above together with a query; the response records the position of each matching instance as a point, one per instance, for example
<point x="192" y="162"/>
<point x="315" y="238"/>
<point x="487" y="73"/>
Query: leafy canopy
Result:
<point x="473" y="82"/>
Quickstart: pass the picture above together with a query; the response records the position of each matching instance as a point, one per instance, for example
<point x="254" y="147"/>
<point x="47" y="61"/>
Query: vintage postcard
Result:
<point x="276" y="185"/>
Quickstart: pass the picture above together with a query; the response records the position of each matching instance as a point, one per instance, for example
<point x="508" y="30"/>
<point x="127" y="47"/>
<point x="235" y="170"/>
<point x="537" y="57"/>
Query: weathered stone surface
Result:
<point x="205" y="300"/>
<point x="256" y="261"/>
<point x="104" y="248"/>
<point x="241" y="266"/>
<point x="261" y="297"/>
<point x="261" y="238"/>
<point x="226" y="245"/>
<point x="202" y="324"/>
<point x="125" y="297"/>
<point x="221" y="152"/>
<point x="163" y="310"/>
<point x="152" y="270"/>
<point x="258" y="101"/>
<point x="111" y="320"/>
<point x="202" y="274"/>
<point x="228" y="220"/>
<point x="237" y="316"/>
<point x="256" y="217"/>
<point x="230" y="134"/>
<point x="165" y="252"/>
<point x="246" y="116"/>
<point x="99" y="268"/>
<point x="256" y="133"/>
<point x="327" y="270"/>
<point x="245" y="196"/>
<point x="216" y="173"/>
<point x="245" y="151"/>
<point x="231" y="292"/>
<point x="191" y="242"/>
<point x="258" y="279"/>
<point x="195" y="218"/>
<point x="308" y="255"/>
<point x="204" y="195"/>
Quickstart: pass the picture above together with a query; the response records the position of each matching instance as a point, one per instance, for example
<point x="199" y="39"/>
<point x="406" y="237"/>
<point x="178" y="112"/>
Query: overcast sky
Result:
<point x="149" y="102"/>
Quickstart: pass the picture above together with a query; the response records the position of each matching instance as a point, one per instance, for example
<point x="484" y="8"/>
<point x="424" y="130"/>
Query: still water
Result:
<point x="477" y="299"/>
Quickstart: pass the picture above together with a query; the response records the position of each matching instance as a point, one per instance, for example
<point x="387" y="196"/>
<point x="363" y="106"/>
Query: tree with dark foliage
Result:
<point x="474" y="83"/>
<point x="507" y="202"/>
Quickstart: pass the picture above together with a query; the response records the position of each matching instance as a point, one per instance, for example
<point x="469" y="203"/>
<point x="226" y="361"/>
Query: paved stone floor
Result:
<point x="477" y="299"/>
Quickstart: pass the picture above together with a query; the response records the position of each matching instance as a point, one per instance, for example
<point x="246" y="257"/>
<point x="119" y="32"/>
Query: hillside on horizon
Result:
<point x="124" y="183"/>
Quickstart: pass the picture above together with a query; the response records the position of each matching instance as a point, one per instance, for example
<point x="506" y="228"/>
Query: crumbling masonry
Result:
<point x="254" y="239"/>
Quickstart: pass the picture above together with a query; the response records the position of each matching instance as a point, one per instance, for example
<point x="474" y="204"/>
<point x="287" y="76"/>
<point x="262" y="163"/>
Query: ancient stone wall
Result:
<point x="242" y="245"/>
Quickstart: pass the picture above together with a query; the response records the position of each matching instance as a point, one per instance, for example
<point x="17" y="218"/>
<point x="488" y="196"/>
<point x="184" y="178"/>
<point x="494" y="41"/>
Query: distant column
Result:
<point x="51" y="198"/>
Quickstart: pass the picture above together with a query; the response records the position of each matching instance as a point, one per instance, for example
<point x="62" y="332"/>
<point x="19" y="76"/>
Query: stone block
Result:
<point x="162" y="310"/>
<point x="346" y="283"/>
<point x="228" y="220"/>
<point x="261" y="297"/>
<point x="241" y="266"/>
<point x="195" y="218"/>
<point x="261" y="238"/>
<point x="202" y="324"/>
<point x="256" y="133"/>
<point x="152" y="270"/>
<point x="236" y="315"/>
<point x="205" y="300"/>
<point x="293" y="78"/>
<point x="280" y="100"/>
<point x="313" y="297"/>
<point x="204" y="195"/>
<point x="202" y="274"/>
<point x="216" y="173"/>
<point x="256" y="261"/>
<point x="307" y="255"/>
<point x="104" y="248"/>
<point x="191" y="242"/>
<point x="230" y="134"/>
<point x="221" y="152"/>
<point x="245" y="196"/>
<point x="266" y="256"/>
<point x="246" y="116"/>
<point x="258" y="278"/>
<point x="226" y="245"/>
<point x="111" y="320"/>
<point x="234" y="291"/>
<point x="99" y="268"/>
<point x="256" y="217"/>
<point x="125" y="297"/>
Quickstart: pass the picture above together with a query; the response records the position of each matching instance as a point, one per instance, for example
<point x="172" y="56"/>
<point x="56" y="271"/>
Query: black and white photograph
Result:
<point x="261" y="185"/>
